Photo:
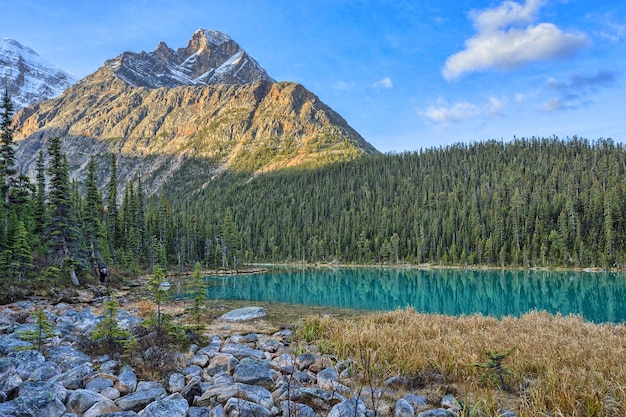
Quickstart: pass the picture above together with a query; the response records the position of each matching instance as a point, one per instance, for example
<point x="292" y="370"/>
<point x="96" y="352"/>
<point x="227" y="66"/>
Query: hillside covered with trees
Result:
<point x="529" y="202"/>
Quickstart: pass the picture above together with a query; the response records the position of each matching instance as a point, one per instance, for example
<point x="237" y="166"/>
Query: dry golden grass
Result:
<point x="560" y="366"/>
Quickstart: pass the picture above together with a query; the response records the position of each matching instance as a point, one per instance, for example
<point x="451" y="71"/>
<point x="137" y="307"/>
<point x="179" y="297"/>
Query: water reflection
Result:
<point x="598" y="297"/>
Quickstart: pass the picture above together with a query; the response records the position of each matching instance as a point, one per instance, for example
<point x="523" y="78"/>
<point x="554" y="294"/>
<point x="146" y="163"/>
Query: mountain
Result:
<point x="29" y="78"/>
<point x="210" y="57"/>
<point x="178" y="118"/>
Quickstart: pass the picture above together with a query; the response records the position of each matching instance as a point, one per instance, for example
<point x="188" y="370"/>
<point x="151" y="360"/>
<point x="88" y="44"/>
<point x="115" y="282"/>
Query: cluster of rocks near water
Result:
<point x="251" y="375"/>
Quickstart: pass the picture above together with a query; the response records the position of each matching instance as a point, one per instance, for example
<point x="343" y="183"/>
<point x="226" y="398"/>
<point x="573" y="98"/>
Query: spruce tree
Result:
<point x="93" y="210"/>
<point x="7" y="154"/>
<point x="62" y="229"/>
<point x="113" y="226"/>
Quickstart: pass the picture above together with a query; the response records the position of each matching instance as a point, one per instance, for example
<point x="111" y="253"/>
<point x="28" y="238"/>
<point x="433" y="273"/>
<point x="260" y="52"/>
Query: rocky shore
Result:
<point x="240" y="375"/>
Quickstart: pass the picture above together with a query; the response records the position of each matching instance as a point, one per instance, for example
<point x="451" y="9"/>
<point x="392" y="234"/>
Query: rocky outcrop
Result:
<point x="259" y="380"/>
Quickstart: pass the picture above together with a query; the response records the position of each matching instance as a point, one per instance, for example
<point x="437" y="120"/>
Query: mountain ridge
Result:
<point x="28" y="77"/>
<point x="158" y="132"/>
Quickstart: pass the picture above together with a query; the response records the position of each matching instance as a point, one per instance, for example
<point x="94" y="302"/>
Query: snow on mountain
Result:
<point x="210" y="57"/>
<point x="28" y="77"/>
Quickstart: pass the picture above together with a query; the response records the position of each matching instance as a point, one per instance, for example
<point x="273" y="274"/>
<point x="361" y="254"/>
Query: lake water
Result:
<point x="597" y="296"/>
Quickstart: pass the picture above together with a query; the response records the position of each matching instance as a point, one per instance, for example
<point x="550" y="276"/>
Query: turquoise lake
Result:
<point x="597" y="296"/>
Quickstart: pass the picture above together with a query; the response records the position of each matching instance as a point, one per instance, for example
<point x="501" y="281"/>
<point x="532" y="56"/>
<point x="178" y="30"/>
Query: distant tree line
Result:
<point x="529" y="202"/>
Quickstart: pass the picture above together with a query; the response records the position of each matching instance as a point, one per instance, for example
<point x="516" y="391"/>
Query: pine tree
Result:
<point x="92" y="214"/>
<point x="197" y="292"/>
<point x="43" y="328"/>
<point x="39" y="204"/>
<point x="113" y="226"/>
<point x="7" y="154"/>
<point x="62" y="230"/>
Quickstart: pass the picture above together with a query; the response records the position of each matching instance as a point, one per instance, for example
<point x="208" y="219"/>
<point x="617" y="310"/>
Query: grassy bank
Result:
<point x="557" y="366"/>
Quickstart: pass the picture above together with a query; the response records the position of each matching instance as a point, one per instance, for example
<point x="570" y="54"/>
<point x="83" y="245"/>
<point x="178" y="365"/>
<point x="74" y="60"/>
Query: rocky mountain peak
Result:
<point x="210" y="57"/>
<point x="28" y="77"/>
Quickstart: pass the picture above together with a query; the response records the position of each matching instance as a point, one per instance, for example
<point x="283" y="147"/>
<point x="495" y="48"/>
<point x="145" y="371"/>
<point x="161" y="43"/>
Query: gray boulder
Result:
<point x="75" y="377"/>
<point x="243" y="351"/>
<point x="243" y="314"/>
<point x="34" y="389"/>
<point x="319" y="399"/>
<point x="222" y="362"/>
<point x="120" y="414"/>
<point x="198" y="412"/>
<point x="305" y="360"/>
<point x="126" y="380"/>
<point x="217" y="411"/>
<point x="104" y="406"/>
<point x="193" y="389"/>
<point x="99" y="384"/>
<point x="67" y="357"/>
<point x="138" y="400"/>
<point x="221" y="393"/>
<point x="176" y="382"/>
<point x="236" y="407"/>
<point x="199" y="359"/>
<point x="254" y="373"/>
<point x="213" y="348"/>
<point x="403" y="409"/>
<point x="43" y="405"/>
<point x="291" y="409"/>
<point x="8" y="344"/>
<point x="45" y="372"/>
<point x="110" y="393"/>
<point x="173" y="406"/>
<point x="352" y="407"/>
<point x="29" y="360"/>
<point x="416" y="401"/>
<point x="81" y="400"/>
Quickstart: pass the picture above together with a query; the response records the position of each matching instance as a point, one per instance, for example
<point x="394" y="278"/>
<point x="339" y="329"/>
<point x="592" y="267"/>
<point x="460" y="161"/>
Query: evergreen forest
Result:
<point x="530" y="202"/>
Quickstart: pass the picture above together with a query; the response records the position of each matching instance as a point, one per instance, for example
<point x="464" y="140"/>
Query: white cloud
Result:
<point x="507" y="37"/>
<point x="443" y="112"/>
<point x="384" y="83"/>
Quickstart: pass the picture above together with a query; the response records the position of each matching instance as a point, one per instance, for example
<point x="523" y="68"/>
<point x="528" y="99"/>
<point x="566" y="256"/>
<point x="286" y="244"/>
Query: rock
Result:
<point x="127" y="380"/>
<point x="328" y="380"/>
<point x="437" y="412"/>
<point x="81" y="400"/>
<point x="110" y="393"/>
<point x="254" y="373"/>
<point x="104" y="406"/>
<point x="45" y="372"/>
<point x="236" y="407"/>
<point x="305" y="360"/>
<point x="138" y="400"/>
<point x="29" y="360"/>
<point x="193" y="389"/>
<point x="8" y="344"/>
<point x="416" y="401"/>
<point x="270" y="345"/>
<point x="99" y="384"/>
<point x="84" y="296"/>
<point x="217" y="411"/>
<point x="221" y="393"/>
<point x="173" y="406"/>
<point x="403" y="409"/>
<point x="449" y="402"/>
<point x="352" y="407"/>
<point x="176" y="382"/>
<point x="120" y="414"/>
<point x="9" y="384"/>
<point x="42" y="405"/>
<point x="292" y="409"/>
<point x="109" y="367"/>
<point x="319" y="399"/>
<point x="213" y="348"/>
<point x="75" y="377"/>
<point x="243" y="351"/>
<point x="198" y="412"/>
<point x="285" y="362"/>
<point x="67" y="357"/>
<point x="199" y="359"/>
<point x="222" y="362"/>
<point x="243" y="314"/>
<point x="503" y="412"/>
<point x="192" y="370"/>
<point x="34" y="389"/>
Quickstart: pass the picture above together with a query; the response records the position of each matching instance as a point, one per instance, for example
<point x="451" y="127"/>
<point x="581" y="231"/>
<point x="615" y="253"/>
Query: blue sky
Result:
<point x="405" y="74"/>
